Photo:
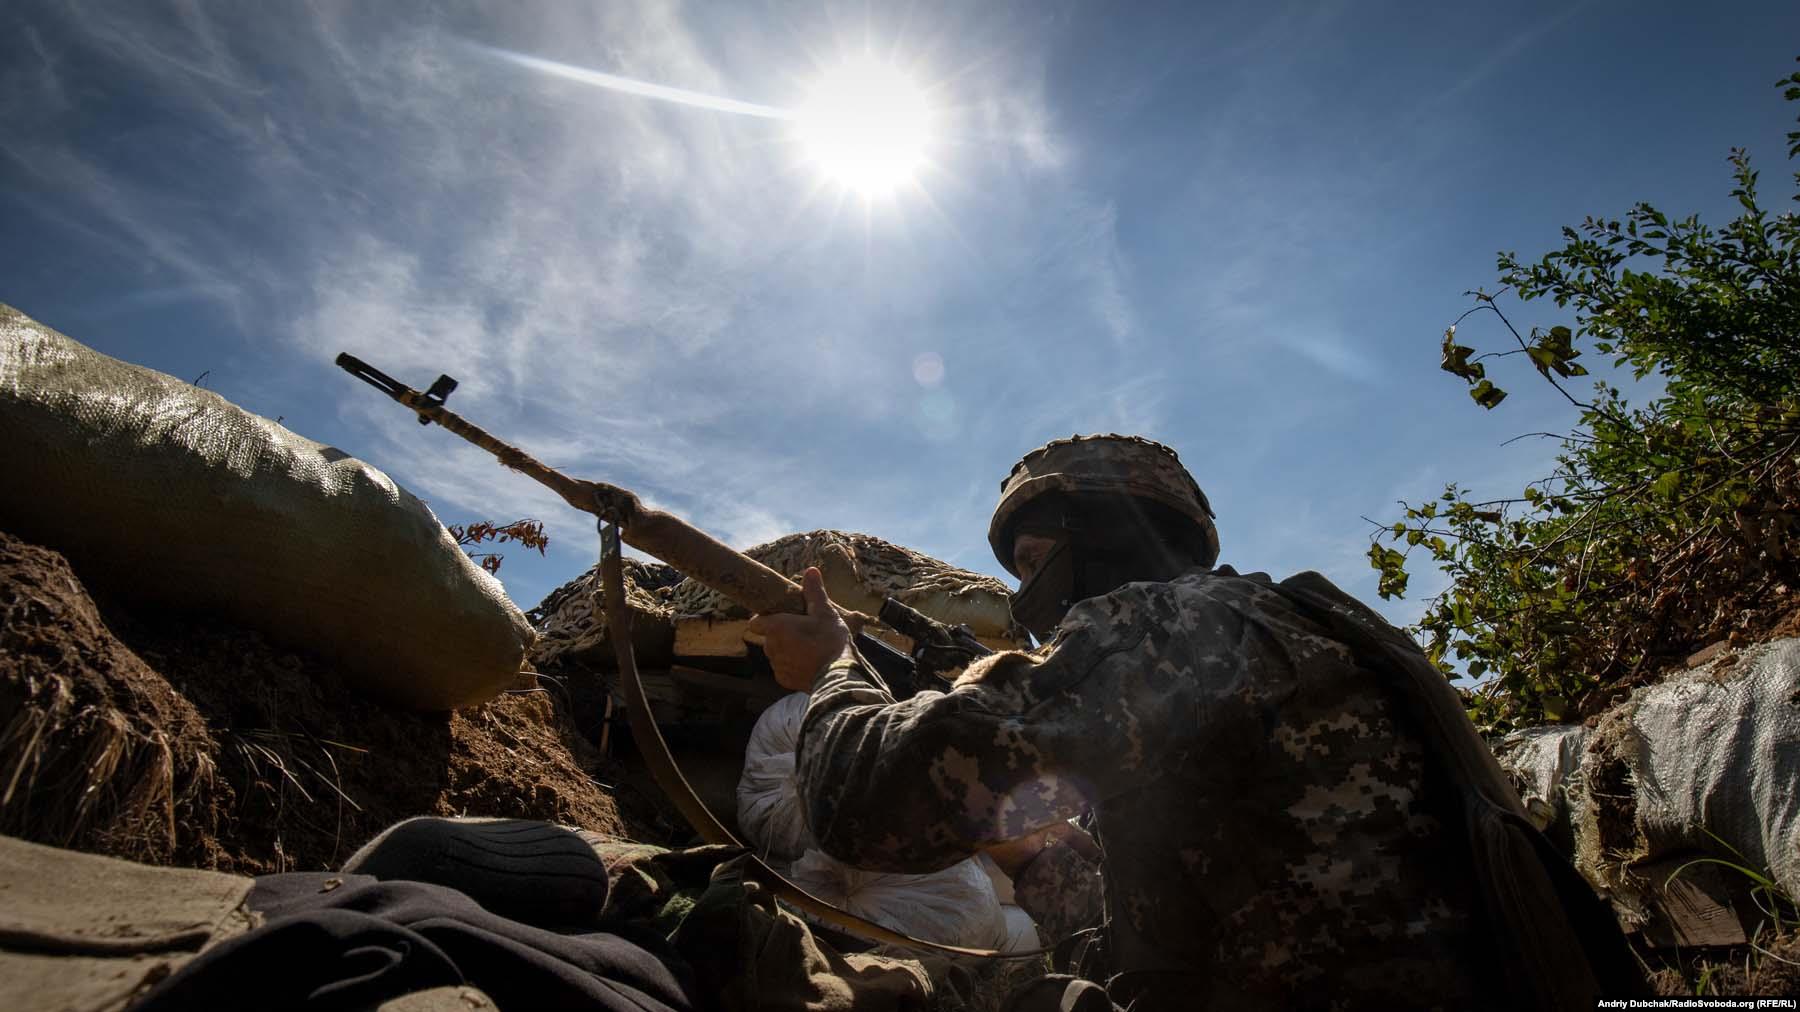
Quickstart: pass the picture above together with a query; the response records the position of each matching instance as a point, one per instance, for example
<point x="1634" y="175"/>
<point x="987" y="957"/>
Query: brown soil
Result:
<point x="177" y="739"/>
<point x="1770" y="969"/>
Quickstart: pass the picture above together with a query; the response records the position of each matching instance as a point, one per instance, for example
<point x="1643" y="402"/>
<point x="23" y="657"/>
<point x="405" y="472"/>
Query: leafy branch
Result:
<point x="1660" y="527"/>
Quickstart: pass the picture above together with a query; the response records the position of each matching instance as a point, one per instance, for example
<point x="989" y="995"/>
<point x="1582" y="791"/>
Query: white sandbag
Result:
<point x="1711" y="758"/>
<point x="1021" y="930"/>
<point x="1543" y="763"/>
<point x="955" y="906"/>
<point x="161" y="490"/>
<point x="768" y="799"/>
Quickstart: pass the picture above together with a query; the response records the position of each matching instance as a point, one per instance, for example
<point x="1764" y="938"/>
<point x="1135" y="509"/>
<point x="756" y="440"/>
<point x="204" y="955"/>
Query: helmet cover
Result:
<point x="1107" y="465"/>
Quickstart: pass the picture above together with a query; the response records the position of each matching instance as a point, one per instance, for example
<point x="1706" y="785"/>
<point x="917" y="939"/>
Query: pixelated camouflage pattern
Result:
<point x="1107" y="464"/>
<point x="1061" y="890"/>
<point x="1270" y="833"/>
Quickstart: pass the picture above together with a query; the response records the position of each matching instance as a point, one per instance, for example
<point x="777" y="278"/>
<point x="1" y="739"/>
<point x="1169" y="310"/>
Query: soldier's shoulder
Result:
<point x="1222" y="585"/>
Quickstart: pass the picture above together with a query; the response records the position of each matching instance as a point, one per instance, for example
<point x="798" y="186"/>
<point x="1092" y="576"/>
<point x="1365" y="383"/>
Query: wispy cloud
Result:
<point x="1330" y="352"/>
<point x="1495" y="57"/>
<point x="631" y="86"/>
<point x="643" y="285"/>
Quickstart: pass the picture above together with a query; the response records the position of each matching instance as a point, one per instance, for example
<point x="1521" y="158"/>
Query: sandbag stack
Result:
<point x="1702" y="764"/>
<point x="167" y="493"/>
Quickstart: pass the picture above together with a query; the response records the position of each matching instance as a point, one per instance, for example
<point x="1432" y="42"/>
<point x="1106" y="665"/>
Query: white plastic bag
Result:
<point x="1021" y="930"/>
<point x="955" y="906"/>
<point x="1003" y="883"/>
<point x="158" y="489"/>
<point x="768" y="799"/>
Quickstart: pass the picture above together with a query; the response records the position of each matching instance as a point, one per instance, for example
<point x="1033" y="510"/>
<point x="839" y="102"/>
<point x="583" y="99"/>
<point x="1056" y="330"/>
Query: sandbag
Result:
<point x="955" y="906"/>
<point x="1705" y="761"/>
<point x="81" y="931"/>
<point x="768" y="798"/>
<point x="1544" y="764"/>
<point x="159" y="490"/>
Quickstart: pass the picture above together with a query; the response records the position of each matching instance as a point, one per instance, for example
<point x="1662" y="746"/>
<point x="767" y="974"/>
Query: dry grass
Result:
<point x="84" y="773"/>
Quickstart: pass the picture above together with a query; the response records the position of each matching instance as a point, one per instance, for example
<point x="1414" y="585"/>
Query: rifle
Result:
<point x="623" y="518"/>
<point x="938" y="649"/>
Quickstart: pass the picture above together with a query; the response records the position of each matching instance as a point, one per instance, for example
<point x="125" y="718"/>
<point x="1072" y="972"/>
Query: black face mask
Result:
<point x="1043" y="600"/>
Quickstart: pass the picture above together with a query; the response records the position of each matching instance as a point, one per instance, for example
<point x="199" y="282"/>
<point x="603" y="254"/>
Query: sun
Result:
<point x="867" y="126"/>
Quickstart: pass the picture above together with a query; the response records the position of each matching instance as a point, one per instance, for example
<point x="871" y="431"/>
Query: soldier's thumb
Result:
<point x="812" y="587"/>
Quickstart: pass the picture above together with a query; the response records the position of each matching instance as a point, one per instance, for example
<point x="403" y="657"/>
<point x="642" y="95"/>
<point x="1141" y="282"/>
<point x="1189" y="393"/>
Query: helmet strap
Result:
<point x="1043" y="600"/>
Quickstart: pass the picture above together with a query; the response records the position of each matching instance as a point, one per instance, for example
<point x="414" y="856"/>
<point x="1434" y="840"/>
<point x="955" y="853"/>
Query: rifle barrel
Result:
<point x="660" y="535"/>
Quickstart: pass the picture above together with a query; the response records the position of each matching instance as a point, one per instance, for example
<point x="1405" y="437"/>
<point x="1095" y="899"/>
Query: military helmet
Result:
<point x="1104" y="465"/>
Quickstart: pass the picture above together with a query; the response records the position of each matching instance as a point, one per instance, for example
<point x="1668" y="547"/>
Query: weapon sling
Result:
<point x="669" y="777"/>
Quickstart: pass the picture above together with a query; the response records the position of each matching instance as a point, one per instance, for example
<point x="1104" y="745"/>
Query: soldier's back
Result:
<point x="1302" y="854"/>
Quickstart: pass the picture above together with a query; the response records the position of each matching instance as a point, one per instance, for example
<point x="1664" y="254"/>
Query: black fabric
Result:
<point x="525" y="869"/>
<point x="359" y="942"/>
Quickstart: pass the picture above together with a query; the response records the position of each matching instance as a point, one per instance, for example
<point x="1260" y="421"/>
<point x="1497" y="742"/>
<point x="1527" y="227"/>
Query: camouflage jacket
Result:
<point x="1270" y="828"/>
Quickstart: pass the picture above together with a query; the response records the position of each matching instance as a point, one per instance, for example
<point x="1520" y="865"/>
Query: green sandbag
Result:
<point x="173" y="495"/>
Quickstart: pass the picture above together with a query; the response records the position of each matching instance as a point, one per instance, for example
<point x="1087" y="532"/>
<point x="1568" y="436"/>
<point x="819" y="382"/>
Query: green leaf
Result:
<point x="1392" y="566"/>
<point x="1455" y="360"/>
<point x="1487" y="394"/>
<point x="1667" y="485"/>
<point x="1554" y="707"/>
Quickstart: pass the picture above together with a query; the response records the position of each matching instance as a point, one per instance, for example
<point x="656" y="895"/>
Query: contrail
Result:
<point x="633" y="87"/>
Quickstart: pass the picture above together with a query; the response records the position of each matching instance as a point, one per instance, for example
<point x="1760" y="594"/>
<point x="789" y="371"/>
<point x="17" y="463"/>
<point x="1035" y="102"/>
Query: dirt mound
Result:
<point x="98" y="751"/>
<point x="177" y="739"/>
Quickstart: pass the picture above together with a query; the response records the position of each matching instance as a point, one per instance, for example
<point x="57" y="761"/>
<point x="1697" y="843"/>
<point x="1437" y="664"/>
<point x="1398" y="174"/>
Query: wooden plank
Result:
<point x="704" y="637"/>
<point x="1695" y="910"/>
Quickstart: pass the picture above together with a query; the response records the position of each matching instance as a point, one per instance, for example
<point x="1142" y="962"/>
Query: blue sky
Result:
<point x="1236" y="228"/>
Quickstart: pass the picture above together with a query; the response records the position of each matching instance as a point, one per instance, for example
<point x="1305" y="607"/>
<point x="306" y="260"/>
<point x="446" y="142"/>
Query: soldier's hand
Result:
<point x="800" y="646"/>
<point x="1013" y="855"/>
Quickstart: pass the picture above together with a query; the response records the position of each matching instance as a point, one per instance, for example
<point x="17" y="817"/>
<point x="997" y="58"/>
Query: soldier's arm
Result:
<point x="1019" y="744"/>
<point x="1056" y="879"/>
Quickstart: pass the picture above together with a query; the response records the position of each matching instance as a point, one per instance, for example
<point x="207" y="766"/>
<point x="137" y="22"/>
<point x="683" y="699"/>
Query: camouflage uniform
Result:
<point x="1270" y="830"/>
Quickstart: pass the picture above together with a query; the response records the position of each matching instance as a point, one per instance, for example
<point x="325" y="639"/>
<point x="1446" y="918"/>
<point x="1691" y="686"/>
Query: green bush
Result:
<point x="1662" y="527"/>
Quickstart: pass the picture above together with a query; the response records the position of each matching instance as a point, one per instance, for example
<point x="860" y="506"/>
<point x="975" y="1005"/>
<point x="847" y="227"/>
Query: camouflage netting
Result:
<point x="861" y="570"/>
<point x="571" y="621"/>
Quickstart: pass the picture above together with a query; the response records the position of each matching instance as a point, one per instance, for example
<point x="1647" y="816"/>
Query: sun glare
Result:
<point x="867" y="126"/>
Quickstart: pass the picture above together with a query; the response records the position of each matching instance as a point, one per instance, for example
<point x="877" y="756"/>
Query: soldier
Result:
<point x="1280" y="828"/>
